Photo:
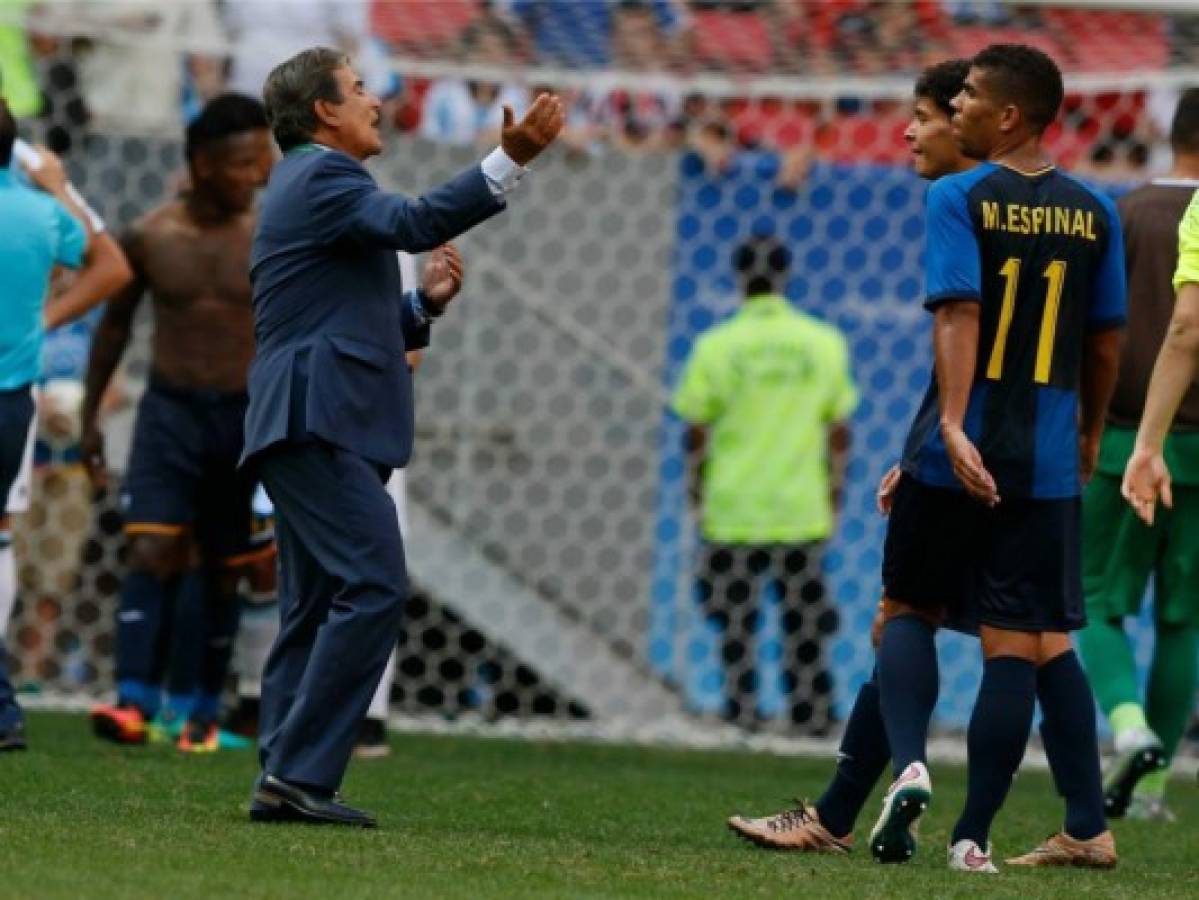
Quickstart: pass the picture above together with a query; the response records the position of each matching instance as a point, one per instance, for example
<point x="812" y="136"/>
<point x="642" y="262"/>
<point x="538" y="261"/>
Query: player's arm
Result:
<point x="695" y="448"/>
<point x="840" y="439"/>
<point x="108" y="346"/>
<point x="842" y="401"/>
<point x="698" y="401"/>
<point x="105" y="271"/>
<point x="1100" y="365"/>
<point x="1146" y="476"/>
<point x="345" y="203"/>
<point x="954" y="297"/>
<point x="51" y="176"/>
<point x="955" y="351"/>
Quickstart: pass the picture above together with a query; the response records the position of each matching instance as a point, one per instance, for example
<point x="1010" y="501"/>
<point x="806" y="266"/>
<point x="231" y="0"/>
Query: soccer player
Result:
<point x="39" y="229"/>
<point x="187" y="507"/>
<point x="1026" y="283"/>
<point x="1119" y="552"/>
<point x="827" y="826"/>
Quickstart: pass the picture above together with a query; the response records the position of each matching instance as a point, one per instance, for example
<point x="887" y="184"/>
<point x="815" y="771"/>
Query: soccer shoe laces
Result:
<point x="793" y="818"/>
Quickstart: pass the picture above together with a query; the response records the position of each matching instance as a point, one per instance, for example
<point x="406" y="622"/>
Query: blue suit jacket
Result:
<point x="330" y="318"/>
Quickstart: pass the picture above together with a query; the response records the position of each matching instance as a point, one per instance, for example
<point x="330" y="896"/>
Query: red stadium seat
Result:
<point x="1143" y="42"/>
<point x="737" y="41"/>
<point x="422" y="26"/>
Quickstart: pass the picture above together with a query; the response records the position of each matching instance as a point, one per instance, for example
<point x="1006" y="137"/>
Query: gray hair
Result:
<point x="294" y="86"/>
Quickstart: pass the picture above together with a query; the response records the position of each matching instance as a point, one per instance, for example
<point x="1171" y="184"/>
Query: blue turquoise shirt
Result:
<point x="1042" y="255"/>
<point x="36" y="233"/>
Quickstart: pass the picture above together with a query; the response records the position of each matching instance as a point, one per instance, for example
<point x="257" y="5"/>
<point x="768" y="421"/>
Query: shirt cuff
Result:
<point x="501" y="172"/>
<point x="422" y="308"/>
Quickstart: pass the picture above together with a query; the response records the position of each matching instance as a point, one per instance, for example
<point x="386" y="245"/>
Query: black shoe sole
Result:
<point x="1118" y="797"/>
<point x="12" y="744"/>
<point x="267" y="807"/>
<point x="896" y="843"/>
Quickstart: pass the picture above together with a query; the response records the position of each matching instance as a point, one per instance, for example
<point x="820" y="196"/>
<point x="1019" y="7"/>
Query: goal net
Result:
<point x="552" y="547"/>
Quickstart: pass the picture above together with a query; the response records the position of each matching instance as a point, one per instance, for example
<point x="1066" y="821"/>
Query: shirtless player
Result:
<point x="187" y="507"/>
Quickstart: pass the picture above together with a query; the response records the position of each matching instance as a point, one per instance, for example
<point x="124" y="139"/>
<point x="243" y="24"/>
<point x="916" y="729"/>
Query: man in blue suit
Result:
<point x="330" y="412"/>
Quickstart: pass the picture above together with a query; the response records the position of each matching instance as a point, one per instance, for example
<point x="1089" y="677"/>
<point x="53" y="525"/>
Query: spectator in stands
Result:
<point x="640" y="118"/>
<point x="581" y="33"/>
<point x="132" y="70"/>
<point x="460" y="111"/>
<point x="767" y="396"/>
<point x="266" y="32"/>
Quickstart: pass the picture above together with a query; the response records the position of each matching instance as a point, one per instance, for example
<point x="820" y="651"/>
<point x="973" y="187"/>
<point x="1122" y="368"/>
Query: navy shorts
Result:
<point x="183" y="472"/>
<point x="1016" y="566"/>
<point x="16" y="415"/>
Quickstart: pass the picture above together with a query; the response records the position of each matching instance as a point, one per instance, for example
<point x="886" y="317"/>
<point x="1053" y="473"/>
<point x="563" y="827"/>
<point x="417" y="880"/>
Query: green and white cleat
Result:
<point x="1149" y="809"/>
<point x="1138" y="753"/>
<point x="893" y="839"/>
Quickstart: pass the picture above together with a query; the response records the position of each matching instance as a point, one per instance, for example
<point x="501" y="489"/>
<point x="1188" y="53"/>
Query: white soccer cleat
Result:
<point x="965" y="856"/>
<point x="893" y="839"/>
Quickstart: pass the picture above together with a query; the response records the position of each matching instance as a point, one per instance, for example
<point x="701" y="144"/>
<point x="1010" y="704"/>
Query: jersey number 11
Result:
<point x="1055" y="274"/>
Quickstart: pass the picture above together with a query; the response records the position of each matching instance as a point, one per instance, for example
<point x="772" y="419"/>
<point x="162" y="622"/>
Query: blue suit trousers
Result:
<point x="342" y="589"/>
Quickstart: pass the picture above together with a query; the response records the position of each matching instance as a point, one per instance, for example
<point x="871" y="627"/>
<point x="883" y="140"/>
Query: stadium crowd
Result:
<point x="52" y="51"/>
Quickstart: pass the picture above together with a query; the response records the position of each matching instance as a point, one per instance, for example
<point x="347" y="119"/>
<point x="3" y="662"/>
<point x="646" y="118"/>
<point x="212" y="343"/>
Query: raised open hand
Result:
<point x="523" y="141"/>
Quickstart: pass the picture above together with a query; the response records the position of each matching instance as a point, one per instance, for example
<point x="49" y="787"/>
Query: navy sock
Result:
<point x="10" y="712"/>
<point x="142" y="626"/>
<point x="995" y="741"/>
<point x="1072" y="743"/>
<point x="862" y="758"/>
<point x="222" y="614"/>
<point x="187" y="630"/>
<point x="908" y="685"/>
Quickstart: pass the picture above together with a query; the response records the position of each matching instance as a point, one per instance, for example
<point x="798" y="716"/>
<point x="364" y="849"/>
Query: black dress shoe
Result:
<point x="13" y="739"/>
<point x="275" y="800"/>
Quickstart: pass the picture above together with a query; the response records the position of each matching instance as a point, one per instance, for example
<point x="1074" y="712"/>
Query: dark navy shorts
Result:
<point x="1016" y="566"/>
<point x="16" y="416"/>
<point x="183" y="472"/>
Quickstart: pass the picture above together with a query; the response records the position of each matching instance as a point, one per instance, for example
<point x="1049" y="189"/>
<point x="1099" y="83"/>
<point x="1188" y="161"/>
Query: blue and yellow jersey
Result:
<point x="1043" y="256"/>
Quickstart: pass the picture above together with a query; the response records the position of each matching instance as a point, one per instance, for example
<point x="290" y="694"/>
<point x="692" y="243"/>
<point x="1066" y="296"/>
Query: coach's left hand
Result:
<point x="442" y="279"/>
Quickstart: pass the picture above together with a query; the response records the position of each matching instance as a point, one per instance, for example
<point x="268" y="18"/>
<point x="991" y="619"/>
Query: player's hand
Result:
<point x="1146" y="477"/>
<point x="968" y="466"/>
<point x="91" y="448"/>
<point x="443" y="275"/>
<point x="51" y="174"/>
<point x="886" y="489"/>
<point x="1088" y="457"/>
<point x="523" y="141"/>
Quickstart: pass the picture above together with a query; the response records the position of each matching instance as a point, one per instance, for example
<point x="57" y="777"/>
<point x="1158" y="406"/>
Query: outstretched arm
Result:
<point x="1146" y="476"/>
<point x="344" y="202"/>
<point x="108" y="345"/>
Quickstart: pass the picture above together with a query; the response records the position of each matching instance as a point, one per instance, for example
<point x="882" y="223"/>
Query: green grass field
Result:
<point x="489" y="818"/>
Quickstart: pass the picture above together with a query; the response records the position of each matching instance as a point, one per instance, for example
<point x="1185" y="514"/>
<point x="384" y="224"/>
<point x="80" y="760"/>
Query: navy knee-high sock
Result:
<point x="1072" y="743"/>
<point x="143" y="625"/>
<point x="995" y="741"/>
<point x="862" y="758"/>
<point x="908" y="685"/>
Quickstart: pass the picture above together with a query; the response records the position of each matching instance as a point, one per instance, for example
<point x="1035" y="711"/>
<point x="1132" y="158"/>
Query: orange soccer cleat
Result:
<point x="120" y="724"/>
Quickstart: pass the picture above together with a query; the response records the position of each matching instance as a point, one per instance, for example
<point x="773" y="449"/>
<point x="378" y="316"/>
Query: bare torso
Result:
<point x="198" y="279"/>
